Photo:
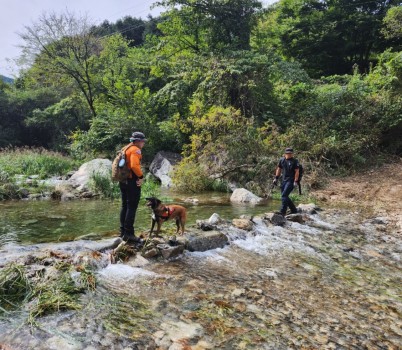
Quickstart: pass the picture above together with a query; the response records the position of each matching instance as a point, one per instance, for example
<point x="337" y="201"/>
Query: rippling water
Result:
<point x="332" y="283"/>
<point x="30" y="222"/>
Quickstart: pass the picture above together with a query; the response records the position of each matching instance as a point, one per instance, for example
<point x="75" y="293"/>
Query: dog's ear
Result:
<point x="157" y="201"/>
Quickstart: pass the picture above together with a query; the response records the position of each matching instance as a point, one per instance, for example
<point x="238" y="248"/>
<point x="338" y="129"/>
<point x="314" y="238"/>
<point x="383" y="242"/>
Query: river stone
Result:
<point x="150" y="253"/>
<point x="202" y="241"/>
<point x="80" y="180"/>
<point x="162" y="166"/>
<point x="295" y="218"/>
<point x="138" y="261"/>
<point x="275" y="219"/>
<point x="309" y="208"/>
<point x="241" y="195"/>
<point x="204" y="225"/>
<point x="243" y="224"/>
<point x="215" y="219"/>
<point x="169" y="252"/>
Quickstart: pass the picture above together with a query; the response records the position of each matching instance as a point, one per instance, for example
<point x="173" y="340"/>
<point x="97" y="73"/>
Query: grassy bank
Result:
<point x="34" y="161"/>
<point x="16" y="165"/>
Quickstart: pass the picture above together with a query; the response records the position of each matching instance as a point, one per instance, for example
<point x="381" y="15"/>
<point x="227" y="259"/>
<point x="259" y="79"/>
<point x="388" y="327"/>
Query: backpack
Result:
<point x="120" y="170"/>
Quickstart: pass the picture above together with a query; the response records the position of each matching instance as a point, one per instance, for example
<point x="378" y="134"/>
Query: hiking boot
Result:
<point x="132" y="240"/>
<point x="279" y="213"/>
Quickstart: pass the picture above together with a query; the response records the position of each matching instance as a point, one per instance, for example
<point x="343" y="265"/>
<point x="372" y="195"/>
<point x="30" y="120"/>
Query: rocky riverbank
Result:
<point x="319" y="279"/>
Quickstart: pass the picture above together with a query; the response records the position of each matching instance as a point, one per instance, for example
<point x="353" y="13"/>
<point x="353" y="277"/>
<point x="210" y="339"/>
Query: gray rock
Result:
<point x="241" y="195"/>
<point x="150" y="253"/>
<point x="202" y="241"/>
<point x="275" y="219"/>
<point x="162" y="166"/>
<point x="204" y="225"/>
<point x="169" y="252"/>
<point x="295" y="218"/>
<point x="215" y="219"/>
<point x="309" y="208"/>
<point x="80" y="180"/>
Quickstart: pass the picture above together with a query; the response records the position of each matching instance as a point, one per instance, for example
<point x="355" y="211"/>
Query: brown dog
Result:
<point x="162" y="213"/>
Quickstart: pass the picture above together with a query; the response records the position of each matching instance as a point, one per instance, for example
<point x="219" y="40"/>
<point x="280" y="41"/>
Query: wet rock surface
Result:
<point x="330" y="282"/>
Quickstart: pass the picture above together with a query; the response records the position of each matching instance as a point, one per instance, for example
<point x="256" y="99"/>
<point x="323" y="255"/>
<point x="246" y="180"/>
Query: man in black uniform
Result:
<point x="289" y="167"/>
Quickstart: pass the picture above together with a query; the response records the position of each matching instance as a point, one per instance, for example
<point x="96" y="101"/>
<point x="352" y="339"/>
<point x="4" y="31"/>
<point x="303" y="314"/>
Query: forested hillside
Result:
<point x="228" y="83"/>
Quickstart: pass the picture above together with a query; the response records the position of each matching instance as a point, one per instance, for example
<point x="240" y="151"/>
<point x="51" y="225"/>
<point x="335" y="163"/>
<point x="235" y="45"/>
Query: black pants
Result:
<point x="286" y="189"/>
<point x="130" y="197"/>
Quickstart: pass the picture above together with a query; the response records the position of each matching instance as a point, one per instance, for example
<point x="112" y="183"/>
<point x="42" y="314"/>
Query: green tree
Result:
<point x="63" y="45"/>
<point x="327" y="37"/>
<point x="215" y="25"/>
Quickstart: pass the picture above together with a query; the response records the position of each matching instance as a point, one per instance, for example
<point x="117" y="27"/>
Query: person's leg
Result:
<point x="286" y="188"/>
<point x="133" y="198"/>
<point x="123" y="211"/>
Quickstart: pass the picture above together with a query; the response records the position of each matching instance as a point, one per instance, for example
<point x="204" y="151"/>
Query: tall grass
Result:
<point x="104" y="187"/>
<point x="29" y="161"/>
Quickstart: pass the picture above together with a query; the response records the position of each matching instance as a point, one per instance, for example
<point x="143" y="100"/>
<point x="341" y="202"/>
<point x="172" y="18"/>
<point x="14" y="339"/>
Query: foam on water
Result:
<point x="124" y="272"/>
<point x="209" y="255"/>
<point x="273" y="240"/>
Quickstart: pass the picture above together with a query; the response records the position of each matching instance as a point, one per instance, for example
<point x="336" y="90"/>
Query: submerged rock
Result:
<point x="241" y="195"/>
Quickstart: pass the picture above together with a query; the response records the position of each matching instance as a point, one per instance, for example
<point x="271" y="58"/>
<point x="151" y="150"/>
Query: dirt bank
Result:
<point x="378" y="192"/>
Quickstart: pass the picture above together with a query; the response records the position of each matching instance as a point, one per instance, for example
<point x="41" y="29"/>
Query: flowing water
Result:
<point x="30" y="222"/>
<point x="331" y="283"/>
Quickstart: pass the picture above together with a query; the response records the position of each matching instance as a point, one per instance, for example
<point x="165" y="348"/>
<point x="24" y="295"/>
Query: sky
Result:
<point x="15" y="14"/>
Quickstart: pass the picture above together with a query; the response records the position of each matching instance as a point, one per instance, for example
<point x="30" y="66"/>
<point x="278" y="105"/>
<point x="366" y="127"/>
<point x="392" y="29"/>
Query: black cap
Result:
<point x="288" y="150"/>
<point x="137" y="136"/>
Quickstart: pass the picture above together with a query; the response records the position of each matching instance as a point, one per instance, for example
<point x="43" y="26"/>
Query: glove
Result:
<point x="275" y="182"/>
<point x="296" y="183"/>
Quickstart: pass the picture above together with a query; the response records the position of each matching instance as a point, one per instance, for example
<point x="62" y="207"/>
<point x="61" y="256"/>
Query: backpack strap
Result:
<point x="124" y="149"/>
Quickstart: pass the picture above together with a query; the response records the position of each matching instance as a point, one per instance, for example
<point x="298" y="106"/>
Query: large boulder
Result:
<point x="80" y="179"/>
<point x="201" y="241"/>
<point x="162" y="166"/>
<point x="241" y="195"/>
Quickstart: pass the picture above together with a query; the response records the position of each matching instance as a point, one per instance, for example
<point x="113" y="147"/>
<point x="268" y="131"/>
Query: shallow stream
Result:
<point x="333" y="282"/>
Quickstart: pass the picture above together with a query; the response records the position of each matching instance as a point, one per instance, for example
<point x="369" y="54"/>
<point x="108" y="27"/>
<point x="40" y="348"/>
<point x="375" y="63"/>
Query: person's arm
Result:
<point x="297" y="172"/>
<point x="135" y="163"/>
<point x="278" y="172"/>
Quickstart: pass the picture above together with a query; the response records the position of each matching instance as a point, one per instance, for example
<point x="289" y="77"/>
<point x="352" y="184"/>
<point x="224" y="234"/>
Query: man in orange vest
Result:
<point x="131" y="188"/>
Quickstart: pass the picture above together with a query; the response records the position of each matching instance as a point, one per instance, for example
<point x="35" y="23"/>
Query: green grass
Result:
<point x="104" y="187"/>
<point x="29" y="161"/>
